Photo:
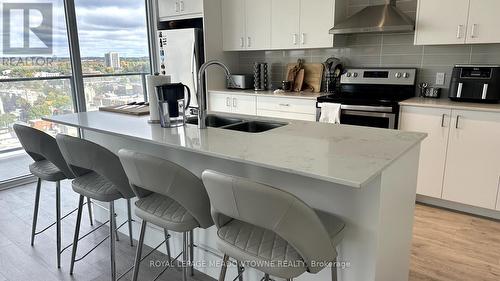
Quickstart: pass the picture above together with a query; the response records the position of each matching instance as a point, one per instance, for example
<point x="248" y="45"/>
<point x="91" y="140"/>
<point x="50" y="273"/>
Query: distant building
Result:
<point x="112" y="59"/>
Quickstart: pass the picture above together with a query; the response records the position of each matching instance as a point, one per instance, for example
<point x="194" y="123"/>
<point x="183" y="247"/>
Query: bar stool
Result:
<point x="100" y="176"/>
<point x="270" y="229"/>
<point x="177" y="202"/>
<point x="50" y="166"/>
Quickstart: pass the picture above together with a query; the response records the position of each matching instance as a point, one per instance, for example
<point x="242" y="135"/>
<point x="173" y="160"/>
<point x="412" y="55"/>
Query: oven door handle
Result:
<point x="386" y="109"/>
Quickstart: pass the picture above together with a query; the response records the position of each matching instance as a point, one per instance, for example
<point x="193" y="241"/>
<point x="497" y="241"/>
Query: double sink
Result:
<point x="236" y="124"/>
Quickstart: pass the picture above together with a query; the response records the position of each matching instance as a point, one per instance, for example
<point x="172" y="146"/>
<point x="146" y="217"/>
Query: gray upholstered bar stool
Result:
<point x="49" y="166"/>
<point x="100" y="176"/>
<point x="177" y="202"/>
<point x="270" y="229"/>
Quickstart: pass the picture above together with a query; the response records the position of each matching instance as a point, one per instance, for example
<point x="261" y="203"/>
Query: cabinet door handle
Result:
<point x="242" y="42"/>
<point x="295" y="38"/>
<point x="285" y="104"/>
<point x="235" y="102"/>
<point x="303" y="38"/>
<point x="249" y="43"/>
<point x="228" y="102"/>
<point x="459" y="31"/>
<point x="458" y="120"/>
<point x="177" y="8"/>
<point x="442" y="120"/>
<point x="473" y="31"/>
<point x="182" y="6"/>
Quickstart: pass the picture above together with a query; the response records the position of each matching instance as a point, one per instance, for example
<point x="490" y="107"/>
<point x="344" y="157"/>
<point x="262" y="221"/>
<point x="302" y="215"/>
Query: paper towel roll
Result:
<point x="152" y="81"/>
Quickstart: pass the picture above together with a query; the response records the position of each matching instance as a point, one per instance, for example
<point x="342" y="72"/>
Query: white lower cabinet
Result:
<point x="240" y="104"/>
<point x="288" y="108"/>
<point x="460" y="159"/>
<point x="219" y="102"/>
<point x="473" y="160"/>
<point x="265" y="106"/>
<point x="436" y="123"/>
<point x="243" y="104"/>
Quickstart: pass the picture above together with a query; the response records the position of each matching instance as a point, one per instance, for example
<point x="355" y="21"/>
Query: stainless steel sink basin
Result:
<point x="255" y="126"/>
<point x="215" y="121"/>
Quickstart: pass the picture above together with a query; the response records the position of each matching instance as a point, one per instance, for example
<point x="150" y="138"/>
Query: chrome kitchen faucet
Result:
<point x="201" y="95"/>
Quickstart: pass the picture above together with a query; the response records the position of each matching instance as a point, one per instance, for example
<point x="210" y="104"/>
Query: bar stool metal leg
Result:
<point x="77" y="233"/>
<point x="35" y="211"/>
<point x="191" y="252"/>
<point x="112" y="234"/>
<point x="223" y="269"/>
<point x="334" y="271"/>
<point x="167" y="244"/>
<point x="89" y="206"/>
<point x="185" y="255"/>
<point x="115" y="225"/>
<point x="58" y="222"/>
<point x="138" y="253"/>
<point x="239" y="265"/>
<point x="129" y="214"/>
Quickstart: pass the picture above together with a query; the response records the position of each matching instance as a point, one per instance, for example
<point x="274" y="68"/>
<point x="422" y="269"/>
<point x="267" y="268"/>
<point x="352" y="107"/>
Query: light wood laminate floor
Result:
<point x="447" y="246"/>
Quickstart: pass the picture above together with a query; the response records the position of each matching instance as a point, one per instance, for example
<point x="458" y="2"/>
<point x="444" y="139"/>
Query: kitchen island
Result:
<point x="366" y="176"/>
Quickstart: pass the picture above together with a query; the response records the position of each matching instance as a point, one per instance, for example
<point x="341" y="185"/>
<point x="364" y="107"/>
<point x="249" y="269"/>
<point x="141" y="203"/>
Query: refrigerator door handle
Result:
<point x="194" y="70"/>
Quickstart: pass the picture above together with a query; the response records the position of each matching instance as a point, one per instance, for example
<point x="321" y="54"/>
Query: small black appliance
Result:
<point x="475" y="83"/>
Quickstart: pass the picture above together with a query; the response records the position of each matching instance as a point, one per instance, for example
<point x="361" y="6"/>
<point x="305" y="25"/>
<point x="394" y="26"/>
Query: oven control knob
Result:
<point x="406" y="75"/>
<point x="355" y="74"/>
<point x="398" y="75"/>
<point x="348" y="74"/>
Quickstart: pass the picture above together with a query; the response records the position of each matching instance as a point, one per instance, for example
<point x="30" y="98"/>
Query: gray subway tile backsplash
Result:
<point x="380" y="50"/>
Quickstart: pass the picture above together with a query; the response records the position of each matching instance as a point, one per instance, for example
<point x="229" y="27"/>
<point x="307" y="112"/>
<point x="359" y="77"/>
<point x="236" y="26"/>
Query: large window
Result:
<point x="113" y="42"/>
<point x="35" y="65"/>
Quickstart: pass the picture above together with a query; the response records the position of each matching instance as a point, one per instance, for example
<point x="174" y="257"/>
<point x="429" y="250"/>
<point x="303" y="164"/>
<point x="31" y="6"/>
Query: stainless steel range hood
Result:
<point x="372" y="19"/>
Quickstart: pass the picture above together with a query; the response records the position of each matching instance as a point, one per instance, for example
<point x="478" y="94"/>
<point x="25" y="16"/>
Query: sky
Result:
<point x="103" y="26"/>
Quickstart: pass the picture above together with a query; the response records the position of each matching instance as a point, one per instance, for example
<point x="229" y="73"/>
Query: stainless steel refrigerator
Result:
<point x="181" y="54"/>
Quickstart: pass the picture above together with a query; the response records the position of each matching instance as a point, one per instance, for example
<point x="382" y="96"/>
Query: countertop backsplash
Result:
<point x="380" y="50"/>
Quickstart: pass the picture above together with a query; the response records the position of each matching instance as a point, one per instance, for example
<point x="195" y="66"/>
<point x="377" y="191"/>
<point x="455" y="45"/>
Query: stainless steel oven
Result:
<point x="370" y="97"/>
<point x="369" y="116"/>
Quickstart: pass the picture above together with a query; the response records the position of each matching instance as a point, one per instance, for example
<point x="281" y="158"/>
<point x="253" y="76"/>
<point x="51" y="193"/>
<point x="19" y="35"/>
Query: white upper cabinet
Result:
<point x="246" y="24"/>
<point x="302" y="24"/>
<point x="277" y="24"/>
<point x="441" y="22"/>
<point x="436" y="123"/>
<point x="179" y="9"/>
<point x="316" y="19"/>
<point x="258" y="22"/>
<point x="457" y="22"/>
<point x="285" y="24"/>
<point x="484" y="22"/>
<point x="473" y="159"/>
<point x="233" y="24"/>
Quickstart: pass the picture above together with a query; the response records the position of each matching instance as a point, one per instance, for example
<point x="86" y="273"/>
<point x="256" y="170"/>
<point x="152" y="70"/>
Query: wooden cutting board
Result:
<point x="137" y="111"/>
<point x="299" y="81"/>
<point x="313" y="74"/>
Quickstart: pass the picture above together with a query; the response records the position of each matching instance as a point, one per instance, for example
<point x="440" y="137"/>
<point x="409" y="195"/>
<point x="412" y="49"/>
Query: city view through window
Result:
<point x="114" y="57"/>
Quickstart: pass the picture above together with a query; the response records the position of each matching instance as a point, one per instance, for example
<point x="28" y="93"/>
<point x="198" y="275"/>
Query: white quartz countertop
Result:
<point x="447" y="103"/>
<point x="346" y="155"/>
<point x="297" y="95"/>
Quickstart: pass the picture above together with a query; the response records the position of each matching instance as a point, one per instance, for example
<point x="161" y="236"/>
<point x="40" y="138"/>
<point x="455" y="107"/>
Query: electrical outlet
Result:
<point x="440" y="77"/>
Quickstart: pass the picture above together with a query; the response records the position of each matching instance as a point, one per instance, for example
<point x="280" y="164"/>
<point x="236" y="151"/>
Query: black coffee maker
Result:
<point x="172" y="104"/>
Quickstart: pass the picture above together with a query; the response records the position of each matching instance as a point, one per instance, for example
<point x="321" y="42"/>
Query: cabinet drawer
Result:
<point x="286" y="115"/>
<point x="287" y="105"/>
